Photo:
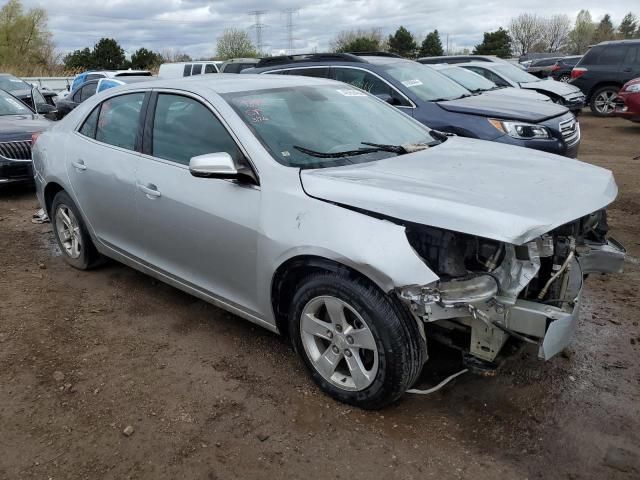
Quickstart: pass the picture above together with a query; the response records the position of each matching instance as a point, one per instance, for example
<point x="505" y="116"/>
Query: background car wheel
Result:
<point x="360" y="346"/>
<point x="564" y="78"/>
<point x="603" y="101"/>
<point x="71" y="234"/>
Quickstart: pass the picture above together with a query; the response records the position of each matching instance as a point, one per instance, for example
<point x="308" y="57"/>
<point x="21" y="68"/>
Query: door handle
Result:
<point x="79" y="165"/>
<point x="150" y="190"/>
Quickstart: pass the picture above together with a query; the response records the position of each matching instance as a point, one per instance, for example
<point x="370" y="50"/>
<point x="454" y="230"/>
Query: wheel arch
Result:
<point x="292" y="271"/>
<point x="50" y="191"/>
<point x="599" y="85"/>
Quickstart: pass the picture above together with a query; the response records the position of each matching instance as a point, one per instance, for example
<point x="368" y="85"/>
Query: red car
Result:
<point x="630" y="95"/>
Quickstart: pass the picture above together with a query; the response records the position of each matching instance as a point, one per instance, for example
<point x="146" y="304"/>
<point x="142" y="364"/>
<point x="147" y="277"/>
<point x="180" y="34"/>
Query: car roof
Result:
<point x="620" y="42"/>
<point x="230" y="83"/>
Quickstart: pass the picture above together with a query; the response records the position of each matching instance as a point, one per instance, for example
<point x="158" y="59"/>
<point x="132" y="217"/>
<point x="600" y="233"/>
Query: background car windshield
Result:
<point x="426" y="83"/>
<point x="324" y="119"/>
<point x="11" y="106"/>
<point x="11" y="84"/>
<point x="514" y="74"/>
<point x="468" y="79"/>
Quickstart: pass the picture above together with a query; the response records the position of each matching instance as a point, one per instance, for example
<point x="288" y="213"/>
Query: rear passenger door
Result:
<point x="201" y="231"/>
<point x="630" y="67"/>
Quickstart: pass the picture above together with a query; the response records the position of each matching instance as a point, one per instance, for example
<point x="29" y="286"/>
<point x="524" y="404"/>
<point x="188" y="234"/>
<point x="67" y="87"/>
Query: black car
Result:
<point x="603" y="70"/>
<point x="438" y="102"/>
<point x="18" y="124"/>
<point x="22" y="90"/>
<point x="561" y="70"/>
<point x="542" y="67"/>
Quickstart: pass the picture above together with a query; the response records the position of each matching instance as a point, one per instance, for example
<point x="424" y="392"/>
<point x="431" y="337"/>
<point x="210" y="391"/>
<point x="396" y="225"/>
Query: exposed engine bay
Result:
<point x="491" y="291"/>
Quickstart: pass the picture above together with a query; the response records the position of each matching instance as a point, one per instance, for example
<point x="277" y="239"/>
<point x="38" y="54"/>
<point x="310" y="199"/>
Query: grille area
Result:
<point x="19" y="150"/>
<point x="570" y="130"/>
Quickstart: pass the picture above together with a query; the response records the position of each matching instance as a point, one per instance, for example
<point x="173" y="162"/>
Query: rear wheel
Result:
<point x="564" y="78"/>
<point x="603" y="101"/>
<point x="358" y="344"/>
<point x="71" y="233"/>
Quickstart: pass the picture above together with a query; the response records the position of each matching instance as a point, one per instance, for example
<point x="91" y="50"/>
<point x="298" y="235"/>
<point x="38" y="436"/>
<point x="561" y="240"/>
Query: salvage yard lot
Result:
<point x="83" y="355"/>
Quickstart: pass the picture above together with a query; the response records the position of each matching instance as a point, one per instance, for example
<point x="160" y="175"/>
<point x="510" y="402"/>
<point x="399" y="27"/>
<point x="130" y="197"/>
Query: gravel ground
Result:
<point x="110" y="374"/>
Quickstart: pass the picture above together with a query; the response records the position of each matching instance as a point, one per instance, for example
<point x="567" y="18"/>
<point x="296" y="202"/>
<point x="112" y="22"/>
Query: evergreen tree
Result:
<point x="628" y="26"/>
<point x="495" y="43"/>
<point x="431" y="45"/>
<point x="403" y="43"/>
<point x="604" y="30"/>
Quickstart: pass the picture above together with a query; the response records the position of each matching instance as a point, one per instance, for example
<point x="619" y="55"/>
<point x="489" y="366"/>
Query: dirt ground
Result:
<point x="83" y="355"/>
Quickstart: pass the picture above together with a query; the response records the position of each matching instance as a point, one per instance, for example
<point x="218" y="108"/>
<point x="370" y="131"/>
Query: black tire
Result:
<point x="401" y="348"/>
<point x="89" y="256"/>
<point x="564" y="78"/>
<point x="594" y="98"/>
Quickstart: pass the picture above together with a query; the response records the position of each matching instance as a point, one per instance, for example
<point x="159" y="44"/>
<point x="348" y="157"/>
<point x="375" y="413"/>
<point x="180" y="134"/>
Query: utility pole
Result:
<point x="259" y="26"/>
<point x="290" y="12"/>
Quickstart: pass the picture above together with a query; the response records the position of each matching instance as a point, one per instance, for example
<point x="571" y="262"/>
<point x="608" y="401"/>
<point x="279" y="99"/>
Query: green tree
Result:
<point x="108" y="54"/>
<point x="495" y="43"/>
<point x="358" y="41"/>
<point x="431" y="45"/>
<point x="143" y="59"/>
<point x="25" y="38"/>
<point x="604" y="30"/>
<point x="79" y="60"/>
<point x="360" y="44"/>
<point x="234" y="43"/>
<point x="628" y="26"/>
<point x="582" y="34"/>
<point x="403" y="43"/>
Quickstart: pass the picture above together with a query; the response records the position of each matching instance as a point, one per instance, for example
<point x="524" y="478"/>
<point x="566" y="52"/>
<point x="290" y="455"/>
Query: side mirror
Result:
<point x="213" y="165"/>
<point x="45" y="108"/>
<point x="385" y="97"/>
<point x="40" y="104"/>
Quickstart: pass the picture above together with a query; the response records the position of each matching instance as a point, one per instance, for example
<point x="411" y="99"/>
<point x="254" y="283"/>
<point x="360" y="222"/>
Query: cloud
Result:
<point x="192" y="26"/>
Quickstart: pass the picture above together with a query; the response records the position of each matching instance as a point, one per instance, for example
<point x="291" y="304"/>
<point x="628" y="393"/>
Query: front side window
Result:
<point x="197" y="69"/>
<point x="364" y="80"/>
<point x="184" y="128"/>
<point x="119" y="120"/>
<point x="88" y="91"/>
<point x="297" y="123"/>
<point x="320" y="72"/>
<point x="468" y="79"/>
<point x="210" y="68"/>
<point x="514" y="73"/>
<point x="425" y="83"/>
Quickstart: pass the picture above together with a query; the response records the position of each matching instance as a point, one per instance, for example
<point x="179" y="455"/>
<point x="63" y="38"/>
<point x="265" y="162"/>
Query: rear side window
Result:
<point x="119" y="120"/>
<point x="233" y="68"/>
<point x="210" y="68"/>
<point x="321" y="72"/>
<point x="197" y="69"/>
<point x="88" y="128"/>
<point x="88" y="91"/>
<point x="612" y="55"/>
<point x="184" y="128"/>
<point x="633" y="56"/>
<point x="187" y="70"/>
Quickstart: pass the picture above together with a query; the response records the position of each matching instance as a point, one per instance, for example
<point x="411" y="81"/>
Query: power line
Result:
<point x="259" y="26"/>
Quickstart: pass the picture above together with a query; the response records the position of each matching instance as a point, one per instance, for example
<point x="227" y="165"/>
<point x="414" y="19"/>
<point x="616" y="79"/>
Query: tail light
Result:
<point x="578" y="72"/>
<point x="34" y="137"/>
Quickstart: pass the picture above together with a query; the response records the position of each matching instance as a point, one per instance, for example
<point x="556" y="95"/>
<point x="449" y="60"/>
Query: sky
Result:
<point x="192" y="26"/>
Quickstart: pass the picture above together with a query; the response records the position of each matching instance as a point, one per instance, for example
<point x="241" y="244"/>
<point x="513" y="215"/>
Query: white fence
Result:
<point x="57" y="84"/>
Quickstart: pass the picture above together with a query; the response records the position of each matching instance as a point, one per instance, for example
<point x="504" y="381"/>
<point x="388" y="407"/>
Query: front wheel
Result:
<point x="603" y="101"/>
<point x="359" y="345"/>
<point x="564" y="78"/>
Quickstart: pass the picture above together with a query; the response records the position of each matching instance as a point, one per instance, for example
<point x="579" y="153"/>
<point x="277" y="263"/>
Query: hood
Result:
<point x="501" y="192"/>
<point x="18" y="127"/>
<point x="553" y="86"/>
<point x="519" y="93"/>
<point x="505" y="107"/>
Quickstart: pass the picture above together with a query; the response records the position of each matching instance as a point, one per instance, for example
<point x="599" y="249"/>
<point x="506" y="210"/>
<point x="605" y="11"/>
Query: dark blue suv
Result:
<point x="438" y="102"/>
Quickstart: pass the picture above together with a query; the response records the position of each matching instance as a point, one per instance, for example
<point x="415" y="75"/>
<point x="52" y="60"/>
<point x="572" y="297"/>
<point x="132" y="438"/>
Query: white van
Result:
<point x="186" y="69"/>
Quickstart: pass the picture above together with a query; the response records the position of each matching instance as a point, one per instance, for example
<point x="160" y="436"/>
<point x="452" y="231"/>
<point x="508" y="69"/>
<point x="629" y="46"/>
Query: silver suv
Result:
<point x="319" y="211"/>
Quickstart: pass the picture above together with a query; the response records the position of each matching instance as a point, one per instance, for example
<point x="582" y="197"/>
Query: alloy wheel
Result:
<point x="68" y="230"/>
<point x="605" y="102"/>
<point x="339" y="343"/>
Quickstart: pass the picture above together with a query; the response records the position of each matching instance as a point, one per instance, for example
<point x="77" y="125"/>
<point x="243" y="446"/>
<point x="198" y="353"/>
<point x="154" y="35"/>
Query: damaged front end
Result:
<point x="489" y="291"/>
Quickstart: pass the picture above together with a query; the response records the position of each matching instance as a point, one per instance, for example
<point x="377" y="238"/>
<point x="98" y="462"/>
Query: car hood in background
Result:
<point x="519" y="93"/>
<point x="505" y="107"/>
<point x="19" y="127"/>
<point x="553" y="86"/>
<point x="501" y="192"/>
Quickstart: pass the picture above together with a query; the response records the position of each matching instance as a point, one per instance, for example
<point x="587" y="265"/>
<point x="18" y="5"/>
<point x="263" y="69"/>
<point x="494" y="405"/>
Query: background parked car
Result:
<point x="98" y="74"/>
<point x="22" y="90"/>
<point x="236" y="65"/>
<point x="187" y="69"/>
<point x="541" y="68"/>
<point x="629" y="94"/>
<point x="603" y="70"/>
<point x="439" y="102"/>
<point x="478" y="84"/>
<point x="507" y="75"/>
<point x="18" y="123"/>
<point x="89" y="89"/>
<point x="561" y="70"/>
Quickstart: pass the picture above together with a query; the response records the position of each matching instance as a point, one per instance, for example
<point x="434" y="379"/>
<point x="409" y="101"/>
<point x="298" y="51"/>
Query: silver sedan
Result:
<point x="318" y="211"/>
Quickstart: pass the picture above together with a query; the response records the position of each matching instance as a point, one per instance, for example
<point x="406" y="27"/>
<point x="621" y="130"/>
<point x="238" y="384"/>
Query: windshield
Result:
<point x="294" y="122"/>
<point x="11" y="106"/>
<point x="426" y="83"/>
<point x="468" y="79"/>
<point x="514" y="73"/>
<point x="11" y="84"/>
